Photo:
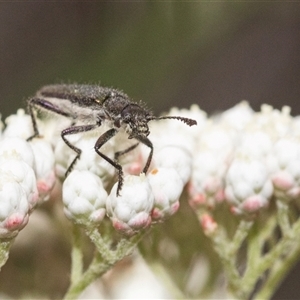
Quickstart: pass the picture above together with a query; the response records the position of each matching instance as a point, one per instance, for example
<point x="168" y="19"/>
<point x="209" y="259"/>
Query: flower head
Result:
<point x="84" y="198"/>
<point x="248" y="186"/>
<point x="167" y="187"/>
<point x="131" y="211"/>
<point x="284" y="164"/>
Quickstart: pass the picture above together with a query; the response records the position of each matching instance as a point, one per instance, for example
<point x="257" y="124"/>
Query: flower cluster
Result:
<point x="245" y="158"/>
<point x="238" y="156"/>
<point x="88" y="197"/>
<point x="26" y="175"/>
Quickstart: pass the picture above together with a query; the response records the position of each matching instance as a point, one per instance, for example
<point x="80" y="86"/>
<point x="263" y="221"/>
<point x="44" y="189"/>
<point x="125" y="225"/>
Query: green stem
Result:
<point x="255" y="264"/>
<point x="283" y="216"/>
<point x="283" y="257"/>
<point x="224" y="249"/>
<point x="4" y="251"/>
<point x="96" y="269"/>
<point x="76" y="255"/>
<point x="240" y="235"/>
<point x="103" y="260"/>
<point x="101" y="244"/>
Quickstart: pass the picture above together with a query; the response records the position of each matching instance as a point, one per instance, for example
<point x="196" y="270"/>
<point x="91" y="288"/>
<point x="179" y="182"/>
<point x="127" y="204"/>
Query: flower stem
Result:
<point x="76" y="255"/>
<point x="103" y="260"/>
<point x="280" y="260"/>
<point x="282" y="215"/>
<point x="4" y="251"/>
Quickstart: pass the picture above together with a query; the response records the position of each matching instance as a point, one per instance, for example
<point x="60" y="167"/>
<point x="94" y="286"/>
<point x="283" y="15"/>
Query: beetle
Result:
<point x="89" y="106"/>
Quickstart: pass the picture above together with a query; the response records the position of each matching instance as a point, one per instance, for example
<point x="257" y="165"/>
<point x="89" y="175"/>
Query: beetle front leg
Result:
<point x="148" y="143"/>
<point x="100" y="142"/>
<point x="74" y="130"/>
<point x="42" y="103"/>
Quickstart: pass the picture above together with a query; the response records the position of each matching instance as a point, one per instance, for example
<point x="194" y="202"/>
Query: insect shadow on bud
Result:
<point x="88" y="107"/>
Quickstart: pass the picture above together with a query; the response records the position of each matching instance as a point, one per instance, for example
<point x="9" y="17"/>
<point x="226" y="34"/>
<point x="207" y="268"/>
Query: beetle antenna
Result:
<point x="187" y="121"/>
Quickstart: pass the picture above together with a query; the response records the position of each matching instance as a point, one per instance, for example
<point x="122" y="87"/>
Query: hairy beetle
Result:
<point x="88" y="106"/>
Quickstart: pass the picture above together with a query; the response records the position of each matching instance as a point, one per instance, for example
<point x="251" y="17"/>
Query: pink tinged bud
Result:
<point x="84" y="197"/>
<point x="197" y="200"/>
<point x="134" y="168"/>
<point x="44" y="167"/>
<point x="16" y="221"/>
<point x="46" y="184"/>
<point x="285" y="168"/>
<point x="254" y="203"/>
<point x="167" y="187"/>
<point x="248" y="187"/>
<point x="208" y="224"/>
<point x="158" y="214"/>
<point x="207" y="182"/>
<point x="283" y="180"/>
<point x="131" y="211"/>
<point x="14" y="207"/>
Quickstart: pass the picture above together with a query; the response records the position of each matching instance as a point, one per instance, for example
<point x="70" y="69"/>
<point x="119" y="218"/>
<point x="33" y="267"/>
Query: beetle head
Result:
<point x="137" y="118"/>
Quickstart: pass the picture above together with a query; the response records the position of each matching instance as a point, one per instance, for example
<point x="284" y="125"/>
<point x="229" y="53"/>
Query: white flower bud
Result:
<point x="218" y="140"/>
<point x="210" y="163"/>
<point x="194" y="113"/>
<point x="18" y="125"/>
<point x="207" y="183"/>
<point x="254" y="144"/>
<point x="44" y="166"/>
<point x="16" y="148"/>
<point x="23" y="174"/>
<point x="176" y="158"/>
<point x="284" y="164"/>
<point x="167" y="187"/>
<point x="276" y="123"/>
<point x="14" y="207"/>
<point x="175" y="133"/>
<point x="131" y="211"/>
<point x="248" y="186"/>
<point x="238" y="116"/>
<point x="84" y="198"/>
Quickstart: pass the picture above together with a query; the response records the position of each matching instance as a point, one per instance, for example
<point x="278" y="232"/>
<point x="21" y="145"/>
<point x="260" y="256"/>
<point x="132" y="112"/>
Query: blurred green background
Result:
<point x="168" y="54"/>
<point x="165" y="53"/>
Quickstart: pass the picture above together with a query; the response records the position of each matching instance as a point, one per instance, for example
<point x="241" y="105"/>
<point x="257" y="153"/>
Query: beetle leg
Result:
<point x="74" y="130"/>
<point x="45" y="105"/>
<point x="120" y="153"/>
<point x="100" y="142"/>
<point x="144" y="140"/>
